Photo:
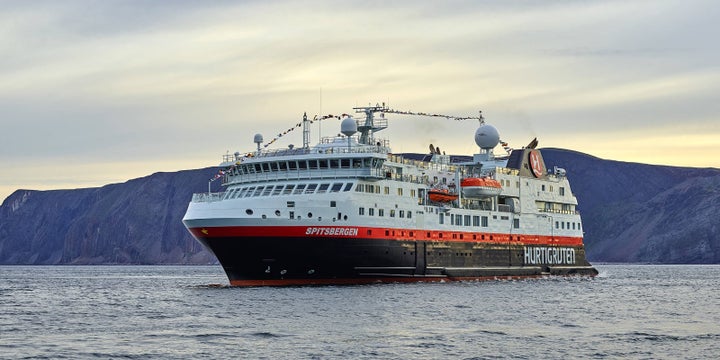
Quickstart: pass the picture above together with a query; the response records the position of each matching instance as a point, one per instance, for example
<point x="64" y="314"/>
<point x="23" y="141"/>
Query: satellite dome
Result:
<point x="487" y="137"/>
<point x="258" y="139"/>
<point x="348" y="126"/>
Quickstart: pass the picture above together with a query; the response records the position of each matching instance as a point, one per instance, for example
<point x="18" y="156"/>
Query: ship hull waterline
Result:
<point x="298" y="261"/>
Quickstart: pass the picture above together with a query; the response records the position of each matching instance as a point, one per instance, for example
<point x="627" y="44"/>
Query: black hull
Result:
<point x="268" y="261"/>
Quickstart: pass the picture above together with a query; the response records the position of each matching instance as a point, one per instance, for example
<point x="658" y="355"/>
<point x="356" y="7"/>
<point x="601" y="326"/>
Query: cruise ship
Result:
<point x="348" y="210"/>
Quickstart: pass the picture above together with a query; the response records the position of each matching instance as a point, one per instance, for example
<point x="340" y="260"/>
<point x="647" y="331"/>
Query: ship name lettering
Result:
<point x="338" y="231"/>
<point x="549" y="255"/>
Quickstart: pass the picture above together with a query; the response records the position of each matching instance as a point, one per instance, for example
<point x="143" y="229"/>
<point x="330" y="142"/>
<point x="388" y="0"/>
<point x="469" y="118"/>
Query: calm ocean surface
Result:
<point x="174" y="312"/>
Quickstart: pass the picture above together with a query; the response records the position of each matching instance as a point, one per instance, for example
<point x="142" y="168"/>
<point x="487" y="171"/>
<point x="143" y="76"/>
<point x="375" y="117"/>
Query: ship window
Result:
<point x="412" y="192"/>
<point x="543" y="187"/>
<point x="248" y="191"/>
<point x="361" y="211"/>
<point x="466" y="220"/>
<point x="267" y="191"/>
<point x="278" y="189"/>
<point x="401" y="213"/>
<point x="568" y="225"/>
<point x="258" y="168"/>
<point x="333" y="204"/>
<point x="345" y="163"/>
<point x="334" y="163"/>
<point x="381" y="212"/>
<point x="288" y="189"/>
<point x="360" y="188"/>
<point x="475" y="220"/>
<point x="551" y="188"/>
<point x="441" y="219"/>
<point x="371" y="211"/>
<point x="562" y="191"/>
<point x="557" y="225"/>
<point x="573" y="226"/>
<point x="562" y="225"/>
<point x="299" y="189"/>
<point x="452" y="219"/>
<point x="290" y="204"/>
<point x="579" y="226"/>
<point x="302" y="165"/>
<point x="292" y="165"/>
<point x="283" y="165"/>
<point x="266" y="167"/>
<point x="458" y="220"/>
<point x="392" y="213"/>
<point x="258" y="190"/>
<point x="387" y="190"/>
<point x="336" y="187"/>
<point x="323" y="188"/>
<point x="409" y="214"/>
<point x="516" y="223"/>
<point x="310" y="188"/>
<point x="291" y="214"/>
<point x="348" y="186"/>
<point x="313" y="164"/>
<point x="484" y="221"/>
<point x="400" y="191"/>
<point x="504" y="218"/>
<point x="377" y="189"/>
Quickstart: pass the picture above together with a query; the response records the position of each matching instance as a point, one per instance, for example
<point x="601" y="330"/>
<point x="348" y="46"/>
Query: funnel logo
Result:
<point x="536" y="164"/>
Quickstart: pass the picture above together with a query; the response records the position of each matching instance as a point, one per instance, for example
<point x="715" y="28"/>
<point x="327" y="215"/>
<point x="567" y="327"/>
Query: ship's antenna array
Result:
<point x="371" y="123"/>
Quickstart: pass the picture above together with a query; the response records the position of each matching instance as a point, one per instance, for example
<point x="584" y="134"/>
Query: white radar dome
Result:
<point x="348" y="126"/>
<point x="487" y="137"/>
<point x="258" y="138"/>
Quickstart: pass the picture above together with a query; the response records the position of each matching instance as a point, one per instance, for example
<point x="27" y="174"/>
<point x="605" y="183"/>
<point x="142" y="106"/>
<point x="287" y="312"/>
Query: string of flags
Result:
<point x="316" y="118"/>
<point x="449" y="117"/>
<point x="220" y="174"/>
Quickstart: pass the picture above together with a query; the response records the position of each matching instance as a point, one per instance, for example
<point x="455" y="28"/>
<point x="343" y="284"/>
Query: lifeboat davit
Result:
<point x="441" y="195"/>
<point x="480" y="188"/>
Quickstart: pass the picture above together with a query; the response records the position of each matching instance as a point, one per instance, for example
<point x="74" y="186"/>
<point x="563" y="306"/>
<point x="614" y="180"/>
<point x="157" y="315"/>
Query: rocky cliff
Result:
<point x="631" y="213"/>
<point x="136" y="222"/>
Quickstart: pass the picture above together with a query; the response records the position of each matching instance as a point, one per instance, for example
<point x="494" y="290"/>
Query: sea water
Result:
<point x="179" y="312"/>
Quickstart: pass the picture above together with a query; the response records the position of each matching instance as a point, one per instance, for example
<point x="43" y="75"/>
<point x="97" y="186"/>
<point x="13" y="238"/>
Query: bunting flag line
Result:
<point x="220" y="174"/>
<point x="316" y="118"/>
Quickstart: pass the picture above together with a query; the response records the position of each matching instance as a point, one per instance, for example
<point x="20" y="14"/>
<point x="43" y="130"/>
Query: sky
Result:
<point x="99" y="92"/>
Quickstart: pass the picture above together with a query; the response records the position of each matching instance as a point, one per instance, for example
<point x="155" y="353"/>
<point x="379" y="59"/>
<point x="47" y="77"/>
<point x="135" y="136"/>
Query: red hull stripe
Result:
<point x="345" y="232"/>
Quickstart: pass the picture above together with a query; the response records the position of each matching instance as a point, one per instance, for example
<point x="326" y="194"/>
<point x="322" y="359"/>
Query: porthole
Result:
<point x="277" y="212"/>
<point x="309" y="215"/>
<point x="249" y="211"/>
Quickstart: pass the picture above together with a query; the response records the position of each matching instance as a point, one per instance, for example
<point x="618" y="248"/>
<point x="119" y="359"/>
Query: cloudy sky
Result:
<point x="98" y="92"/>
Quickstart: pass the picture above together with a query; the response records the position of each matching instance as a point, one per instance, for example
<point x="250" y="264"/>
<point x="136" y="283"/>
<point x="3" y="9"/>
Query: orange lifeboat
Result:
<point x="441" y="195"/>
<point x="480" y="188"/>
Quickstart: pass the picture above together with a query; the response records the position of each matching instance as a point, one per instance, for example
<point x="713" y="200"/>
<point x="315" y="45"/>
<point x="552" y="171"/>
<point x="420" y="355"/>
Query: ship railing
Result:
<point x="507" y="171"/>
<point x="381" y="149"/>
<point x="207" y="197"/>
<point x="291" y="175"/>
<point x="558" y="211"/>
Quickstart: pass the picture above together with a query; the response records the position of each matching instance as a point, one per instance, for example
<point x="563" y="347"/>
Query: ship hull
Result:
<point x="287" y="260"/>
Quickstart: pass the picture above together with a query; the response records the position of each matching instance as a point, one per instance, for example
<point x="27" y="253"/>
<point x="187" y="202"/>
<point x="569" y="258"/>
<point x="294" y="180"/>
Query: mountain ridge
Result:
<point x="631" y="212"/>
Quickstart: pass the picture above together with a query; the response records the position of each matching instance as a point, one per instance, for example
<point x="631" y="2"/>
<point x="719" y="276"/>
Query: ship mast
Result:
<point x="371" y="124"/>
